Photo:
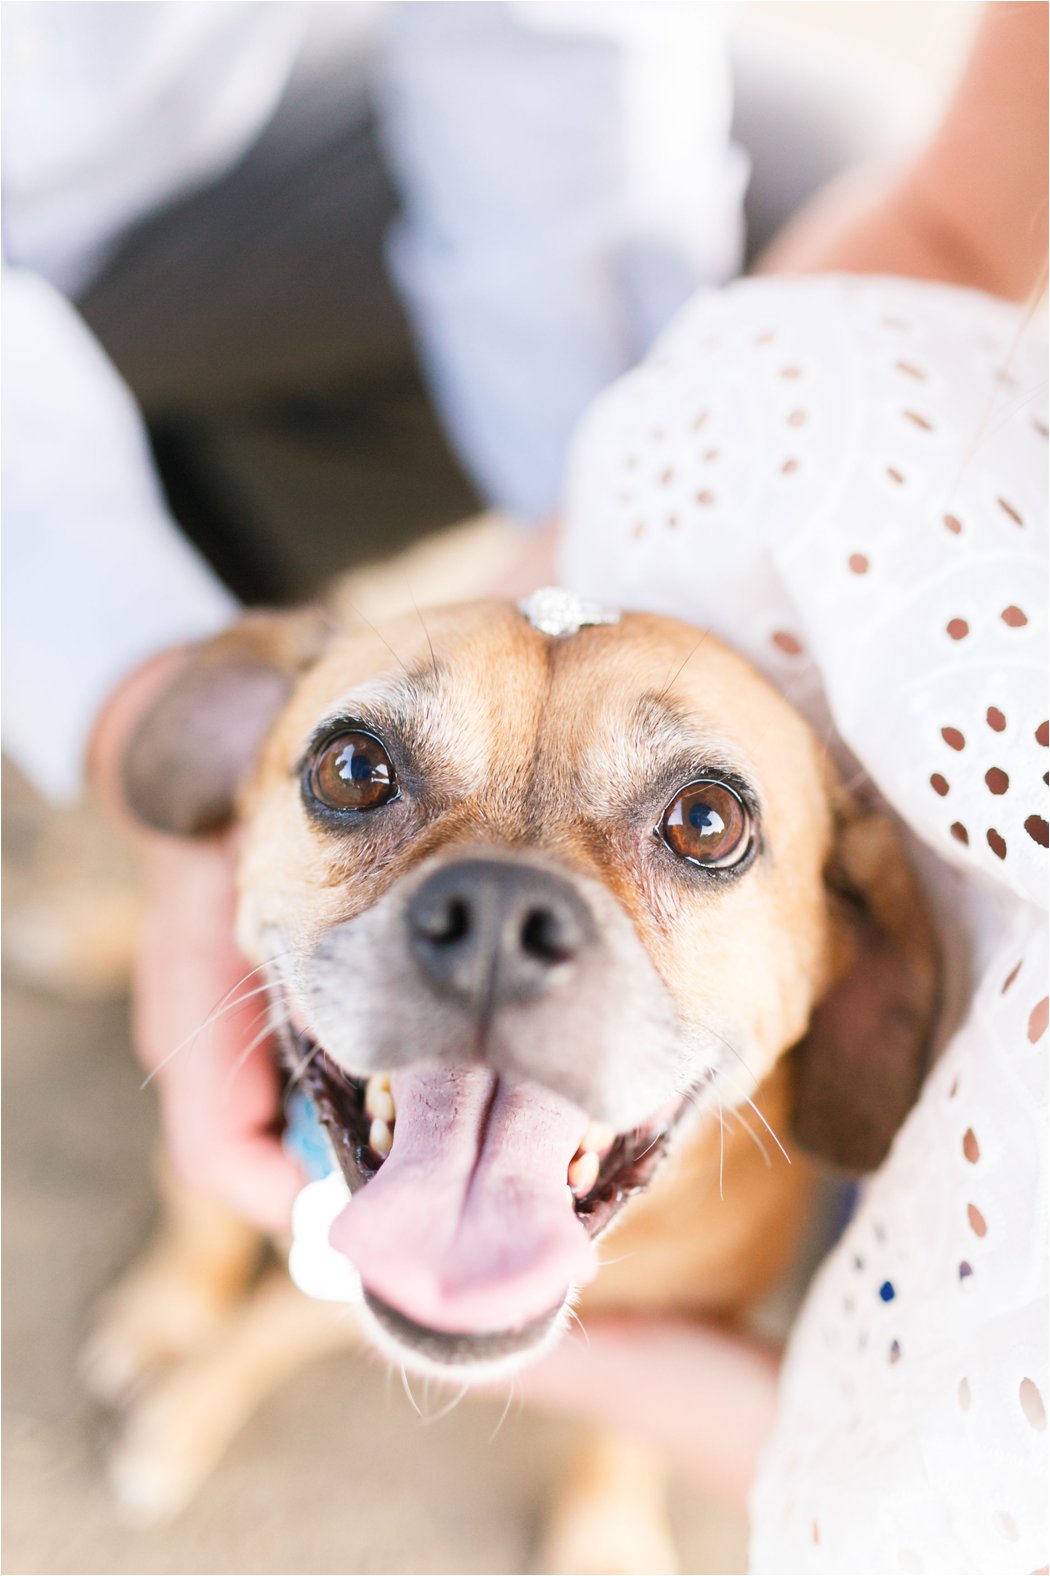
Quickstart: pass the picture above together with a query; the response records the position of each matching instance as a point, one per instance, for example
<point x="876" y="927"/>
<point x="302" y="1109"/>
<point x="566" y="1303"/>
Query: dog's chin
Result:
<point x="474" y="1350"/>
<point x="468" y="1359"/>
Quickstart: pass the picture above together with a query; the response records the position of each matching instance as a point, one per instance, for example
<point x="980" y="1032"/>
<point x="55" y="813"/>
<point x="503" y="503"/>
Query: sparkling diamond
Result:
<point x="554" y="611"/>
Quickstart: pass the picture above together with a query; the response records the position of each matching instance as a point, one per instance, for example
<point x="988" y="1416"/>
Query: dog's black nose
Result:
<point x="491" y="931"/>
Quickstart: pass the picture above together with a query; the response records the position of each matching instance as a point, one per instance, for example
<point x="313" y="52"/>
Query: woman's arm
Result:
<point x="972" y="208"/>
<point x="705" y="1396"/>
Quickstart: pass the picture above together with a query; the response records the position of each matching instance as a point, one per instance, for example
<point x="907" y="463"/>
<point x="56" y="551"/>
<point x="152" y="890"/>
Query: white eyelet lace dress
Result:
<point x="846" y="479"/>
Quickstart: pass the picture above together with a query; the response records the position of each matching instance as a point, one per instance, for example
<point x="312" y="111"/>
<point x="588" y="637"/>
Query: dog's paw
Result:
<point x="109" y="1366"/>
<point x="146" y="1491"/>
<point x="164" y="1452"/>
<point x="147" y="1324"/>
<point x="609" y="1517"/>
<point x="599" y="1538"/>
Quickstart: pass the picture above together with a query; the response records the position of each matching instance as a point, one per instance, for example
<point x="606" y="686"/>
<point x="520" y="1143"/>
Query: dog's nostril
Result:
<point x="491" y="931"/>
<point x="545" y="937"/>
<point x="444" y="923"/>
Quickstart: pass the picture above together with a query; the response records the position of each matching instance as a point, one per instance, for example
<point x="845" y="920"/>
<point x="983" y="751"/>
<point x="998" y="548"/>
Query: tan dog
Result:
<point x="536" y="909"/>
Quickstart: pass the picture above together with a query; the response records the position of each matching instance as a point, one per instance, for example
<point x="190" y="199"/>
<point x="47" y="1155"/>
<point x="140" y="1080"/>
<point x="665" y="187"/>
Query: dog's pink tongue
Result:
<point x="469" y="1224"/>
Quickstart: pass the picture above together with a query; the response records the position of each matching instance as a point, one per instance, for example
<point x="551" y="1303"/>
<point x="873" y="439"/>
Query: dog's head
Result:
<point x="529" y="902"/>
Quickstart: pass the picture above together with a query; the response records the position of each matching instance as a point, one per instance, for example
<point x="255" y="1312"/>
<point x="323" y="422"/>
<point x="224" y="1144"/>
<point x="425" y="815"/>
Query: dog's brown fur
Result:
<point x="718" y="1226"/>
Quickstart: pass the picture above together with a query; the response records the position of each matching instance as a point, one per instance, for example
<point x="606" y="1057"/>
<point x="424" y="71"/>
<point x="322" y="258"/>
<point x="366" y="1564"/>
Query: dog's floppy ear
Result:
<point x="189" y="754"/>
<point x="859" y="1068"/>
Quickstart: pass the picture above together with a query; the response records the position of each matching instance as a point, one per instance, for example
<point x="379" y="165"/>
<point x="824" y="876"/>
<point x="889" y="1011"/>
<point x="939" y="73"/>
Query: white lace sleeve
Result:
<point x="847" y="480"/>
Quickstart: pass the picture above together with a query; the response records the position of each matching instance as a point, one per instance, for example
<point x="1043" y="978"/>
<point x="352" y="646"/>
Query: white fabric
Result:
<point x="564" y="192"/>
<point x="846" y="479"/>
<point x="110" y="110"/>
<point x="569" y="181"/>
<point x="98" y="577"/>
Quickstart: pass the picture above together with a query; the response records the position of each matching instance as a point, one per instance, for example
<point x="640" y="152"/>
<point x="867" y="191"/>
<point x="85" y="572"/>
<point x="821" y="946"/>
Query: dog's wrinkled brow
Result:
<point x="399" y="702"/>
<point x="662" y="725"/>
<point x="444" y="745"/>
<point x="659" y="746"/>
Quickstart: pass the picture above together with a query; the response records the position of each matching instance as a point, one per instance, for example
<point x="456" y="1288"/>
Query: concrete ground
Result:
<point x="336" y="1473"/>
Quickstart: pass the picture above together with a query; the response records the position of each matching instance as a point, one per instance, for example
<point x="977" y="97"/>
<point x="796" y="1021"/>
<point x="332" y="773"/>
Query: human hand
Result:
<point x="198" y="1010"/>
<point x="534" y="563"/>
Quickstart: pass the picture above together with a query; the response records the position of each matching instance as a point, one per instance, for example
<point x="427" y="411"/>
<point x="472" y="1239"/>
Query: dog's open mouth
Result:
<point x="476" y="1203"/>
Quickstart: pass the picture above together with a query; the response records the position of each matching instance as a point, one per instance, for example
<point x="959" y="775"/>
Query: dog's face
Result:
<point x="530" y="902"/>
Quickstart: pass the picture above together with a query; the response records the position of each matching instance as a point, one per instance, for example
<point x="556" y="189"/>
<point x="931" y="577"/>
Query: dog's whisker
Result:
<point x="347" y="1314"/>
<point x="721" y="1152"/>
<point x="723" y="1072"/>
<point x="725" y="1122"/>
<point x="379" y="636"/>
<point x="749" y="1130"/>
<point x="575" y="1317"/>
<point x="621" y="1258"/>
<point x="731" y="1048"/>
<point x="220" y="1010"/>
<point x="270" y="1026"/>
<point x="267" y="1017"/>
<point x="665" y="692"/>
<point x="768" y="1128"/>
<point x="422" y="620"/>
<point x="649" y="1146"/>
<point x="225" y="1004"/>
<point x="408" y="1391"/>
<point x="806" y="679"/>
<point x="449" y="1407"/>
<point x="738" y="1116"/>
<point x="760" y="1116"/>
<point x="300" y="1071"/>
<point x="506" y="1409"/>
<point x="191" y="1039"/>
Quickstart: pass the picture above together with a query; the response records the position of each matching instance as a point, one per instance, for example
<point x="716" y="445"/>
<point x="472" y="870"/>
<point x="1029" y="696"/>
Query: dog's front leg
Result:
<point x="174" y="1299"/>
<point x="611" y="1514"/>
<point x="175" y="1435"/>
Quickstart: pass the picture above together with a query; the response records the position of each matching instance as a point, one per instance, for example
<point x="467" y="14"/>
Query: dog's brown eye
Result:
<point x="352" y="772"/>
<point x="708" y="824"/>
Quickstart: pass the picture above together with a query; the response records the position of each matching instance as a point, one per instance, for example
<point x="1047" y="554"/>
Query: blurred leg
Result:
<point x="174" y="1299"/>
<point x="175" y="1435"/>
<point x="610" y="1514"/>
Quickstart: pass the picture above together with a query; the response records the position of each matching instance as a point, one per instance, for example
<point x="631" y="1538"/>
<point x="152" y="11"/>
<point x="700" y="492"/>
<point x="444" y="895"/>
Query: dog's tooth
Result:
<point x="583" y="1172"/>
<point x="598" y="1138"/>
<point x="379" y="1102"/>
<point x="380" y="1138"/>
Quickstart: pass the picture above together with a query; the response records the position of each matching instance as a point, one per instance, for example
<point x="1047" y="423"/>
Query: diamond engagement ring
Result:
<point x="556" y="612"/>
